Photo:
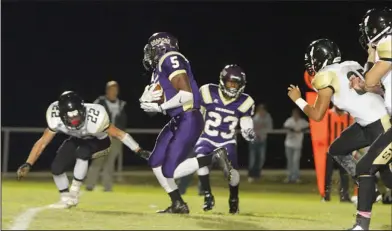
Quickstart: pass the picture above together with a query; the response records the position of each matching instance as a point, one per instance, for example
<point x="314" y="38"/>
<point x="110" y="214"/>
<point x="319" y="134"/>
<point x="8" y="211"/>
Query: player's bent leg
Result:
<point x="351" y="139"/>
<point x="234" y="180"/>
<point x="65" y="155"/>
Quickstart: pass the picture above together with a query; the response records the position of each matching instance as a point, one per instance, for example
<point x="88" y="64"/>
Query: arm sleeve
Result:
<point x="246" y="123"/>
<point x="172" y="64"/>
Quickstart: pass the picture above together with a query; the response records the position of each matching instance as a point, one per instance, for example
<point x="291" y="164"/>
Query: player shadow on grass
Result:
<point x="222" y="223"/>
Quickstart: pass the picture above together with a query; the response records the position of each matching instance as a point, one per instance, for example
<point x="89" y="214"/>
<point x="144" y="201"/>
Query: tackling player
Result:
<point x="376" y="28"/>
<point x="182" y="103"/>
<point x="331" y="81"/>
<point x="223" y="106"/>
<point x="88" y="127"/>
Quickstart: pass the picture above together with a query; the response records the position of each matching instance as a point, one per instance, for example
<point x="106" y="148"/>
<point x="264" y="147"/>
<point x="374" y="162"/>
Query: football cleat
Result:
<point x="209" y="202"/>
<point x="177" y="207"/>
<point x="362" y="223"/>
<point x="64" y="203"/>
<point x="233" y="206"/>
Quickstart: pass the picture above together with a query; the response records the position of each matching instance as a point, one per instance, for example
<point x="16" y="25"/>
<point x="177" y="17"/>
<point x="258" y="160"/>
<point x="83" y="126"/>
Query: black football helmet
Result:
<point x="72" y="110"/>
<point x="232" y="73"/>
<point x="375" y="24"/>
<point x="158" y="44"/>
<point x="319" y="54"/>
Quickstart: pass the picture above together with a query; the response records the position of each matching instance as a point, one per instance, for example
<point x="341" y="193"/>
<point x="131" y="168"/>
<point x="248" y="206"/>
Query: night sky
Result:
<point x="50" y="47"/>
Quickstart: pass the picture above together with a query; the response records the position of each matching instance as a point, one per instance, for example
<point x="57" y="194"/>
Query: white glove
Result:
<point x="248" y="134"/>
<point x="151" y="107"/>
<point x="149" y="95"/>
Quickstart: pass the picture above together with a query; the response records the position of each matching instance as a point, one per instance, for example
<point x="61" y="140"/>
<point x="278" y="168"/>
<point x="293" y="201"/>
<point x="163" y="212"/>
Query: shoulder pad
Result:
<point x="384" y="49"/>
<point x="247" y="105"/>
<point x="206" y="94"/>
<point x="53" y="116"/>
<point x="97" y="118"/>
<point x="323" y="79"/>
<point x="172" y="63"/>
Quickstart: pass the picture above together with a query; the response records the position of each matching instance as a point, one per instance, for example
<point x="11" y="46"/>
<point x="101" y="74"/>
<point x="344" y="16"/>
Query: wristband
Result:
<point x="301" y="103"/>
<point x="130" y="142"/>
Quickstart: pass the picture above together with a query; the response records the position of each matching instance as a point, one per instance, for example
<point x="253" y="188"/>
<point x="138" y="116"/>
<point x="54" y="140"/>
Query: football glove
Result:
<point x="23" y="170"/>
<point x="248" y="134"/>
<point x="143" y="153"/>
<point x="150" y="94"/>
<point x="152" y="107"/>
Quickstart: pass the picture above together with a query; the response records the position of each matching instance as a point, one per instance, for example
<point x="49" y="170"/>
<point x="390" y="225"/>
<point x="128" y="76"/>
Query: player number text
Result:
<point x="216" y="120"/>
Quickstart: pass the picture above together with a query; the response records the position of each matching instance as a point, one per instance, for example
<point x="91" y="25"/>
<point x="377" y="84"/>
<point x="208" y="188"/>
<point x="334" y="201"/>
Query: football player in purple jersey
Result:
<point x="172" y="71"/>
<point x="224" y="107"/>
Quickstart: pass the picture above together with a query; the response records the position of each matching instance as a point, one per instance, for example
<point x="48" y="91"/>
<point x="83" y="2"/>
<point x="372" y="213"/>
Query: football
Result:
<point x="162" y="99"/>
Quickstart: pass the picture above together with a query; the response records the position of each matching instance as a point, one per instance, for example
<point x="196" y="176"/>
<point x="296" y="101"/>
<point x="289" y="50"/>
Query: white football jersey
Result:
<point x="95" y="125"/>
<point x="365" y="108"/>
<point x="384" y="52"/>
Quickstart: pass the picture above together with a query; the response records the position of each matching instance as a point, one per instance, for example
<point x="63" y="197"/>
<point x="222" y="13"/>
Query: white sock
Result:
<point x="80" y="169"/>
<point x="187" y="167"/>
<point x="167" y="183"/>
<point x="203" y="171"/>
<point x="61" y="181"/>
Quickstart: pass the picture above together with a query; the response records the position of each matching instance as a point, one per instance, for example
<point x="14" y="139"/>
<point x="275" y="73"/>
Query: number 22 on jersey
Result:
<point x="216" y="121"/>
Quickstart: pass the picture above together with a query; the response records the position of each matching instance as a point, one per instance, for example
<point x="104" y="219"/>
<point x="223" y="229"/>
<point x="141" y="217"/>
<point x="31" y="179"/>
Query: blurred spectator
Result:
<point x="115" y="108"/>
<point x="293" y="144"/>
<point x="262" y="125"/>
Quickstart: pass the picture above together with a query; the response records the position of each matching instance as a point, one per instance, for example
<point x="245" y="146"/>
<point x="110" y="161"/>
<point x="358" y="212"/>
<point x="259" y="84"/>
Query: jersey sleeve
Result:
<point x="53" y="116"/>
<point x="384" y="49"/>
<point x="247" y="108"/>
<point x="325" y="79"/>
<point x="205" y="95"/>
<point x="172" y="64"/>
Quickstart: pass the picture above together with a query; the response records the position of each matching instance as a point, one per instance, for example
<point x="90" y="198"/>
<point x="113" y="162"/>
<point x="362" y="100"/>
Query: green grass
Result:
<point x="268" y="205"/>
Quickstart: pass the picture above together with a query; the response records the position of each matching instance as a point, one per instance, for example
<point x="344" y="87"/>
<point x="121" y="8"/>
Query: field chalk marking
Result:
<point x="23" y="220"/>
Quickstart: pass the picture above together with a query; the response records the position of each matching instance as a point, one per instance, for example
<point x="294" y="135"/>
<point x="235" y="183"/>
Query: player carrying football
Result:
<point x="376" y="28"/>
<point x="88" y="128"/>
<point x="331" y="81"/>
<point x="172" y="71"/>
<point x="223" y="106"/>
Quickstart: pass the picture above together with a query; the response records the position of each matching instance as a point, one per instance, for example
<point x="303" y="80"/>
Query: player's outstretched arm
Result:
<point x="320" y="107"/>
<point x="35" y="152"/>
<point x="127" y="140"/>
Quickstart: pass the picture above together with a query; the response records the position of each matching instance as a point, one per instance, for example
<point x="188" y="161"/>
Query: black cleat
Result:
<point x="327" y="196"/>
<point x="209" y="202"/>
<point x="362" y="223"/>
<point x="344" y="197"/>
<point x="233" y="205"/>
<point x="177" y="207"/>
<point x="224" y="163"/>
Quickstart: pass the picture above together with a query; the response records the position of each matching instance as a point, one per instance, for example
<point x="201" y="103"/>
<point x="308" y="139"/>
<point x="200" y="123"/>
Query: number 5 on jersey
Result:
<point x="174" y="61"/>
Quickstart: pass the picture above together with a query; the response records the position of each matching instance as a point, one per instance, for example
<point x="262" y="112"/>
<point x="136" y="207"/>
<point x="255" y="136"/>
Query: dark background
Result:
<point x="50" y="47"/>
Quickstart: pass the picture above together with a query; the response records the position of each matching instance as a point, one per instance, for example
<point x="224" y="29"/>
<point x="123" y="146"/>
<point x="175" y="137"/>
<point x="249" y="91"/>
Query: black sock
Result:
<point x="204" y="160"/>
<point x="366" y="191"/>
<point x="205" y="184"/>
<point x="175" y="196"/>
<point x="64" y="190"/>
<point x="234" y="191"/>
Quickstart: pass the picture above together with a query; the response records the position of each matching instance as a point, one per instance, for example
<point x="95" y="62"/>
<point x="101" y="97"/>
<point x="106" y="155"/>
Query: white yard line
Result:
<point x="23" y="220"/>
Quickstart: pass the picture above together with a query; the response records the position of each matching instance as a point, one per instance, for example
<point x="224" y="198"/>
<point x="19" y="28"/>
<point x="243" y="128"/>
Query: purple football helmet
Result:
<point x="237" y="78"/>
<point x="158" y="44"/>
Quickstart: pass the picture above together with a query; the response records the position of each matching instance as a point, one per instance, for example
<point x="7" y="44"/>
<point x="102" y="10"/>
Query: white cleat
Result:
<point x="357" y="227"/>
<point x="62" y="204"/>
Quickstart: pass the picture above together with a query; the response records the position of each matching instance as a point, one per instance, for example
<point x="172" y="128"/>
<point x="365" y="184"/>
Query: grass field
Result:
<point x="268" y="205"/>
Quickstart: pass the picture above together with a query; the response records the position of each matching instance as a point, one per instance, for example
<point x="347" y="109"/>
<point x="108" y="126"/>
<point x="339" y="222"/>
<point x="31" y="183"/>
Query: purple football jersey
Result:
<point x="170" y="65"/>
<point x="222" y="115"/>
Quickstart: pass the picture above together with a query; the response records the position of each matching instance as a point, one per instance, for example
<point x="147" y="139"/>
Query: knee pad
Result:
<point x="203" y="171"/>
<point x="235" y="177"/>
<point x="57" y="168"/>
<point x="167" y="171"/>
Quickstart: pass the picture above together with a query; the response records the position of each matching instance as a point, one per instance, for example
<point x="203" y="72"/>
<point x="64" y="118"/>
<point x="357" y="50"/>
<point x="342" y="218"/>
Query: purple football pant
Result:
<point x="204" y="147"/>
<point x="175" y="141"/>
